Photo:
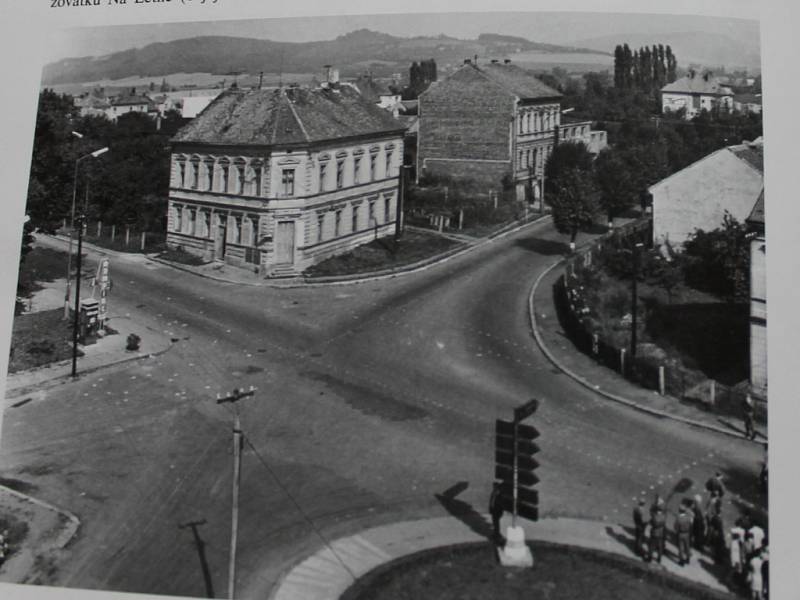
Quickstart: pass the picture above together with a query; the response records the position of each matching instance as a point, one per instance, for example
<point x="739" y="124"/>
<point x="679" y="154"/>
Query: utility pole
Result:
<point x="634" y="298"/>
<point x="233" y="398"/>
<point x="76" y="316"/>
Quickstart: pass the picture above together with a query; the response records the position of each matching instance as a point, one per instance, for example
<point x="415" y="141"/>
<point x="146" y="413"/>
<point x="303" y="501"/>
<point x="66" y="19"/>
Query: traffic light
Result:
<point x="514" y="451"/>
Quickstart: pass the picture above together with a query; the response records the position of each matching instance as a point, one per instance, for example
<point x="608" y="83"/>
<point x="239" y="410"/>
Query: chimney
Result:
<point x="507" y="61"/>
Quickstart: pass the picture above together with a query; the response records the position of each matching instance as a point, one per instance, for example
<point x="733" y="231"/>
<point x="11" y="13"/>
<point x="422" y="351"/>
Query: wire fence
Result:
<point x="651" y="367"/>
<point x="123" y="238"/>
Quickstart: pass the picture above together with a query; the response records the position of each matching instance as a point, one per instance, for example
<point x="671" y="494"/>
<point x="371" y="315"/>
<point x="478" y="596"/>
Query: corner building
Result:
<point x="277" y="180"/>
<point x="486" y="122"/>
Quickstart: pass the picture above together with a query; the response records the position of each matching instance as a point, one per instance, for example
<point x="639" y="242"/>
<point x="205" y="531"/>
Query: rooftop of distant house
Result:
<point x="372" y="89"/>
<point x="131" y="99"/>
<point x="510" y="77"/>
<point x="287" y="116"/>
<point x="697" y="83"/>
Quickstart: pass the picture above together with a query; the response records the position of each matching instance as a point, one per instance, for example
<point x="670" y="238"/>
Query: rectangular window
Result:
<point x="240" y="173"/>
<point x="339" y="174"/>
<point x="337" y="224"/>
<point x="373" y="159"/>
<point x="225" y="176"/>
<point x="190" y="221"/>
<point x="356" y="169"/>
<point x="287" y="182"/>
<point x="320" y="226"/>
<point x="323" y="169"/>
<point x="371" y="212"/>
<point x="388" y="163"/>
<point x="176" y="224"/>
<point x="386" y="209"/>
<point x="209" y="176"/>
<point x="354" y="225"/>
<point x="181" y="173"/>
<point x="257" y="182"/>
<point x="195" y="171"/>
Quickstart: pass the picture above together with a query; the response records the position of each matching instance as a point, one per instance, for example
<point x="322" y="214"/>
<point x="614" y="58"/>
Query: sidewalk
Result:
<point x="329" y="572"/>
<point x="562" y="353"/>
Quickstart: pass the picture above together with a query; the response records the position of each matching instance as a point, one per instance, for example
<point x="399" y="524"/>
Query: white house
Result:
<point x="280" y="179"/>
<point x="694" y="93"/>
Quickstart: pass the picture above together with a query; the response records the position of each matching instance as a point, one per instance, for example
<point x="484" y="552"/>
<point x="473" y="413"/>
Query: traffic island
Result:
<point x="560" y="572"/>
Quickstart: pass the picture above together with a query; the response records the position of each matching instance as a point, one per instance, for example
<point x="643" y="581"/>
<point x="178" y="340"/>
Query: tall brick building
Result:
<point x="485" y="122"/>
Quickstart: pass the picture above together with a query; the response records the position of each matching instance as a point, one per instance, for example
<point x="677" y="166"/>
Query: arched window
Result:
<point x="224" y="167"/>
<point x="208" y="162"/>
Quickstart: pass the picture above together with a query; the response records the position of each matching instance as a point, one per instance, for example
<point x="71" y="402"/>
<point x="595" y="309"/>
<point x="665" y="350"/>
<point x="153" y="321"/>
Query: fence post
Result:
<point x="661" y="379"/>
<point x="99" y="228"/>
<point x="127" y="236"/>
<point x="460" y="219"/>
<point x="64" y="224"/>
<point x="712" y="392"/>
<point x="622" y="361"/>
<point x="587" y="261"/>
<point x="595" y="344"/>
<point x="113" y="232"/>
<point x="441" y="223"/>
<point x="144" y="237"/>
<point x="495" y="201"/>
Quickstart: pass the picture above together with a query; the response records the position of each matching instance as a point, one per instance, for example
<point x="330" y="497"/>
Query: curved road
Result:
<point x="372" y="400"/>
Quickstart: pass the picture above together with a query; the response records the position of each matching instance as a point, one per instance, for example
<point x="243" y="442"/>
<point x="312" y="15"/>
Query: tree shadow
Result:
<point x="200" y="545"/>
<point x="464" y="512"/>
<point x="720" y="572"/>
<point x="543" y="247"/>
<point x="746" y="485"/>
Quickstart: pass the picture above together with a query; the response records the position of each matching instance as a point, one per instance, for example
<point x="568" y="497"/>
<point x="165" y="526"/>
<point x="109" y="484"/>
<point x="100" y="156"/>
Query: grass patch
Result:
<point x="384" y="253"/>
<point x="470" y="571"/>
<point x="154" y="242"/>
<point x="39" y="339"/>
<point x="180" y="256"/>
<point x="40" y="264"/>
<point x="17" y="531"/>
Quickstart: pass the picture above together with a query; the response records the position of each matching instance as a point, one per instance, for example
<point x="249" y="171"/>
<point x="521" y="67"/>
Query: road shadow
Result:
<point x="464" y="512"/>
<point x="626" y="537"/>
<point x="200" y="545"/>
<point x="543" y="247"/>
<point x="722" y="573"/>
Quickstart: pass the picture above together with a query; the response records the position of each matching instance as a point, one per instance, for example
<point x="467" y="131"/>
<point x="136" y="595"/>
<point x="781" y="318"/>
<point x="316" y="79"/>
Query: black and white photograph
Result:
<point x="394" y="305"/>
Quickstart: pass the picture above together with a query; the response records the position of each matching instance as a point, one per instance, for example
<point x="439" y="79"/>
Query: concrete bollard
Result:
<point x="661" y="380"/>
<point x="113" y="232"/>
<point x="461" y="219"/>
<point x="99" y="228"/>
<point x="622" y="360"/>
<point x="144" y="239"/>
<point x="495" y="201"/>
<point x="127" y="236"/>
<point x="712" y="393"/>
<point x="441" y="223"/>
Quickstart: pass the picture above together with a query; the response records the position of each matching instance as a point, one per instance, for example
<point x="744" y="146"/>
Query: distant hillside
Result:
<point x="707" y="49"/>
<point x="351" y="53"/>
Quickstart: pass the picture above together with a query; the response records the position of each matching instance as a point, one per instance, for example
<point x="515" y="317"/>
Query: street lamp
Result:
<point x="94" y="154"/>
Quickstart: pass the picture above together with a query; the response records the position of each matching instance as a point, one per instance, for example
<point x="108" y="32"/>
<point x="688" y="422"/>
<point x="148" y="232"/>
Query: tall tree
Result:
<point x="574" y="205"/>
<point x="672" y="66"/>
<point x="617" y="183"/>
<point x="619" y="65"/>
<point x="566" y="156"/>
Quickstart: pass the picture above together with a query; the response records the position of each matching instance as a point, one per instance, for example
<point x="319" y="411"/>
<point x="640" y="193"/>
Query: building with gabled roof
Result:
<point x="132" y="102"/>
<point x="487" y="123"/>
<point x="694" y="93"/>
<point x="698" y="196"/>
<point x="280" y="179"/>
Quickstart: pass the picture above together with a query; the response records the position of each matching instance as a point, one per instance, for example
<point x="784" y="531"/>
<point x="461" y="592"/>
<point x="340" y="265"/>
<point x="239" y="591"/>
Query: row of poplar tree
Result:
<point x="645" y="69"/>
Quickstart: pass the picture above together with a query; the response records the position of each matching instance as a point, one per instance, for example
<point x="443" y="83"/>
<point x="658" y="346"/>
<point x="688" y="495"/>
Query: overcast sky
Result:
<point x="550" y="27"/>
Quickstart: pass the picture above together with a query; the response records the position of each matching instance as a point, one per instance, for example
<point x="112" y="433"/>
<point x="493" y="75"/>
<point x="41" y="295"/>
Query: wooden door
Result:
<point x="284" y="243"/>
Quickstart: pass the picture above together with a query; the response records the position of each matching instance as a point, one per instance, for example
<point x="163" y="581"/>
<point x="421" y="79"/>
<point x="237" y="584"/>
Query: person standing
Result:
<point x="765" y="570"/>
<point x="736" y="552"/>
<point x="749" y="412"/>
<point x="683" y="532"/>
<point x="755" y="577"/>
<point x="496" y="511"/>
<point x="638" y="526"/>
<point x="658" y="524"/>
<point x="699" y="523"/>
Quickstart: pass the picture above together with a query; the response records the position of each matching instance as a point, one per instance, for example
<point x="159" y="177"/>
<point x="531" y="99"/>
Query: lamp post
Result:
<point x="94" y="154"/>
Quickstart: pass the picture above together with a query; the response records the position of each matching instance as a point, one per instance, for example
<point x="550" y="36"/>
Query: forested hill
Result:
<point x="351" y="53"/>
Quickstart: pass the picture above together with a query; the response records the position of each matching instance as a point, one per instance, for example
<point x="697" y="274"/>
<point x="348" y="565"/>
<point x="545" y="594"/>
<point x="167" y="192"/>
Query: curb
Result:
<point x="596" y="389"/>
<point x="13" y="393"/>
<point x="416" y="267"/>
<point x="68" y="515"/>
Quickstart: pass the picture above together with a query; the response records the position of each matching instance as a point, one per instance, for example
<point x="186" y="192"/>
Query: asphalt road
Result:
<point x="373" y="399"/>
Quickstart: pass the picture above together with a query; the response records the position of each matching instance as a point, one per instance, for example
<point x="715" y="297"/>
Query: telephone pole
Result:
<point x="233" y="398"/>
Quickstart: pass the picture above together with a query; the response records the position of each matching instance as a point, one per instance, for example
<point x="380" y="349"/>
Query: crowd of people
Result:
<point x="699" y="525"/>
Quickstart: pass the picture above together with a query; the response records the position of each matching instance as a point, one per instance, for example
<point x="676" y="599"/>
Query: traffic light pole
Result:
<point x="233" y="398"/>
